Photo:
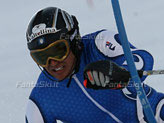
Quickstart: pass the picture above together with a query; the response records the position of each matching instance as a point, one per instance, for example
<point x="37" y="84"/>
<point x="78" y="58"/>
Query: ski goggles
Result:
<point x="58" y="51"/>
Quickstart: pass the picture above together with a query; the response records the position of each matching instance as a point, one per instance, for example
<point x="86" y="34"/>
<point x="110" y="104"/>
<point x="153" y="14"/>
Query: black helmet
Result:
<point x="55" y="24"/>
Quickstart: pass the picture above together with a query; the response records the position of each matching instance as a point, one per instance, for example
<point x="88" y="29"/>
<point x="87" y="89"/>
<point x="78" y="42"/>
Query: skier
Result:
<point x="56" y="46"/>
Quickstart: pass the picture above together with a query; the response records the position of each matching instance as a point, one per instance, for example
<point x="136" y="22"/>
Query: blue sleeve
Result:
<point x="105" y="45"/>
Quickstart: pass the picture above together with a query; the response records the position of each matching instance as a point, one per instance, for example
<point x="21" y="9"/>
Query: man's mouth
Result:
<point x="59" y="68"/>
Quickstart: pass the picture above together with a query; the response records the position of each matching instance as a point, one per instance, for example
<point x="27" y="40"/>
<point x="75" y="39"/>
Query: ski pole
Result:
<point x="153" y="72"/>
<point x="128" y="54"/>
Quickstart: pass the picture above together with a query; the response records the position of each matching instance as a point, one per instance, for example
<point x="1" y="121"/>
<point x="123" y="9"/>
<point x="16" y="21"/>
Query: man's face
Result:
<point x="60" y="70"/>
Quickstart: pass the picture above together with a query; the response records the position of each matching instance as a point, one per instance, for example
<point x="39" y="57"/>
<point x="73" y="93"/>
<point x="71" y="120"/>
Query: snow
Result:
<point x="18" y="73"/>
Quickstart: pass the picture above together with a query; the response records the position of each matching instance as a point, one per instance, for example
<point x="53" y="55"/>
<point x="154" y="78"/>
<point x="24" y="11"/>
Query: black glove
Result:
<point x="105" y="75"/>
<point x="97" y="78"/>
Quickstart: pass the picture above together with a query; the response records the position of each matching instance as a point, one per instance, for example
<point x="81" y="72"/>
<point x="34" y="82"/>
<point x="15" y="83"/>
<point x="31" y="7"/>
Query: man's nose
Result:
<point x="53" y="62"/>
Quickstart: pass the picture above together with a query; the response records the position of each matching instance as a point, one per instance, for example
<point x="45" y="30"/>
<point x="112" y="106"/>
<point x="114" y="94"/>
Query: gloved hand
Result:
<point x="105" y="75"/>
<point x="97" y="78"/>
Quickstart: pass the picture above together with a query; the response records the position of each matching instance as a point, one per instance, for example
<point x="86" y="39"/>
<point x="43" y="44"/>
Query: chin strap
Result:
<point x="76" y="69"/>
<point x="45" y="73"/>
<point x="69" y="81"/>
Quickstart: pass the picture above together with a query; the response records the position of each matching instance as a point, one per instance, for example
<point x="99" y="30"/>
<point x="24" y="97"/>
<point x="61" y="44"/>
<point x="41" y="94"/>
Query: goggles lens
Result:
<point x="57" y="51"/>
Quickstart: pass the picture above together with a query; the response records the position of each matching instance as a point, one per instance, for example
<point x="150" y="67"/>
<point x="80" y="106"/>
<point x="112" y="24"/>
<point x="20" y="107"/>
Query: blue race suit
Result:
<point x="51" y="100"/>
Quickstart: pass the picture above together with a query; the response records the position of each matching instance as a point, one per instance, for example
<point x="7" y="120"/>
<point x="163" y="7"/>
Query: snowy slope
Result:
<point x="18" y="73"/>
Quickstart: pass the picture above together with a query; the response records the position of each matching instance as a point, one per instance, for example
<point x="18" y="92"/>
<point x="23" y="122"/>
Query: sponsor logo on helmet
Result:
<point x="39" y="30"/>
<point x="38" y="27"/>
<point x="110" y="45"/>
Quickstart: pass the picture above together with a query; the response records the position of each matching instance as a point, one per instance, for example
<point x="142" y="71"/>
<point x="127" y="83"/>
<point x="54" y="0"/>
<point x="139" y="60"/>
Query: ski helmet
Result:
<point x="51" y="24"/>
